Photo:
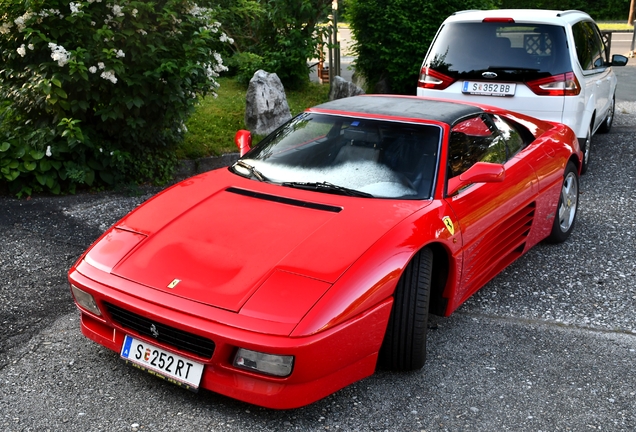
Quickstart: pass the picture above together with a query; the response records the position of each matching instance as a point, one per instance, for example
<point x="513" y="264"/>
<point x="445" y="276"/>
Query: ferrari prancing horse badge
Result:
<point x="449" y="225"/>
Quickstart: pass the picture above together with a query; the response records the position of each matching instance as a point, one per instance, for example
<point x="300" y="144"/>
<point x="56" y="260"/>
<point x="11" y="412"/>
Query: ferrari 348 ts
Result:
<point x="320" y="253"/>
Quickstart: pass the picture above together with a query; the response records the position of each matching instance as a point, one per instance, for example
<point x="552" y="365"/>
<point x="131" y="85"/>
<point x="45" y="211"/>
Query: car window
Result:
<point x="590" y="50"/>
<point x="474" y="140"/>
<point x="516" y="51"/>
<point x="600" y="61"/>
<point x="387" y="159"/>
<point x="510" y="134"/>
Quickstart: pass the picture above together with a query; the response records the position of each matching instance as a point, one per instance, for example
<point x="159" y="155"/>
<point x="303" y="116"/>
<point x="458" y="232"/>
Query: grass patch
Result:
<point x="615" y="26"/>
<point x="212" y="127"/>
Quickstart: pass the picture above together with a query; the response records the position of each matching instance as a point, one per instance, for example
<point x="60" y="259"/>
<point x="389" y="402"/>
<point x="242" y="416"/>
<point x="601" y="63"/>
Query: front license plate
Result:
<point x="159" y="362"/>
<point x="489" y="88"/>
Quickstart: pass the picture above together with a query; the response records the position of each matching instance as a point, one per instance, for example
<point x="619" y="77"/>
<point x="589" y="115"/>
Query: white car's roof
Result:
<point x="522" y="15"/>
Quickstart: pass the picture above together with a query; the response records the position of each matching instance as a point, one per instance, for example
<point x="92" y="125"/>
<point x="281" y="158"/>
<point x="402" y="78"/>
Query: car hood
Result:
<point x="220" y="237"/>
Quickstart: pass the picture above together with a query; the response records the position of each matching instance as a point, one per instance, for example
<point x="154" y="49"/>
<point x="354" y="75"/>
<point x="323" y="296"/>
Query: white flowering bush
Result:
<point x="97" y="92"/>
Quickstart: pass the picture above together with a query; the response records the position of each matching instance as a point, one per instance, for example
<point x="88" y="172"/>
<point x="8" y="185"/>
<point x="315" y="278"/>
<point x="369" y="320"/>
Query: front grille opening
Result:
<point x="176" y="338"/>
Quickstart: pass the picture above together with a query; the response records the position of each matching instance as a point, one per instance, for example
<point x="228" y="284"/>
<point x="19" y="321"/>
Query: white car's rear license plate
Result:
<point x="172" y="367"/>
<point x="489" y="88"/>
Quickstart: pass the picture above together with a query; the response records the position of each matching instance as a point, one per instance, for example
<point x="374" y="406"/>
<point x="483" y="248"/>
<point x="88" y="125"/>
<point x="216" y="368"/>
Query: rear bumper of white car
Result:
<point x="560" y="109"/>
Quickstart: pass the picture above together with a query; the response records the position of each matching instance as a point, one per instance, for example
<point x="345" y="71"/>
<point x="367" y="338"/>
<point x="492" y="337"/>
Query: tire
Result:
<point x="568" y="205"/>
<point x="404" y="345"/>
<point x="585" y="147"/>
<point x="606" y="126"/>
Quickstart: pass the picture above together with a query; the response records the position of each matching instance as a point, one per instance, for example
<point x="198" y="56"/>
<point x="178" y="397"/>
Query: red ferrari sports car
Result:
<point x="318" y="256"/>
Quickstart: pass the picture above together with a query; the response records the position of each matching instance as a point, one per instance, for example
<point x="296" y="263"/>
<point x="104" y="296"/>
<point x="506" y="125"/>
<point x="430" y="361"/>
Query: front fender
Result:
<point x="373" y="277"/>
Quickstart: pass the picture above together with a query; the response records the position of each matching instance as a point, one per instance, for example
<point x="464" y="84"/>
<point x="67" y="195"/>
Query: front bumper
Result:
<point x="324" y="362"/>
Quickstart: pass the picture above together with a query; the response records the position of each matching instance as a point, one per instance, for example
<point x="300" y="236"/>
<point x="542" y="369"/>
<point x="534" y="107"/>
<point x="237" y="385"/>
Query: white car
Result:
<point x="552" y="65"/>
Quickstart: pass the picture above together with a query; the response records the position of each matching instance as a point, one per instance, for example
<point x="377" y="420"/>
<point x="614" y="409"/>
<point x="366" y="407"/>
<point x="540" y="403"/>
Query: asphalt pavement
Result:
<point x="548" y="345"/>
<point x="626" y="89"/>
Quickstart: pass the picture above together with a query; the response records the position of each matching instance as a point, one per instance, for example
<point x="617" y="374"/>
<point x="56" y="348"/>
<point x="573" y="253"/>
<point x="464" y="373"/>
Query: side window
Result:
<point x="472" y="141"/>
<point x="511" y="135"/>
<point x="600" y="60"/>
<point x="581" y="41"/>
<point x="589" y="45"/>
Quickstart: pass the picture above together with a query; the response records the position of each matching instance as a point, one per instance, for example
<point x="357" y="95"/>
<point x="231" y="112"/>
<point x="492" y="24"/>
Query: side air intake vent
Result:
<point x="504" y="244"/>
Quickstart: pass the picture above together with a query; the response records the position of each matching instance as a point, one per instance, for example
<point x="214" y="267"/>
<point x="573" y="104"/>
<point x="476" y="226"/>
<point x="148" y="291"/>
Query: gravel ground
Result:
<point x="548" y="345"/>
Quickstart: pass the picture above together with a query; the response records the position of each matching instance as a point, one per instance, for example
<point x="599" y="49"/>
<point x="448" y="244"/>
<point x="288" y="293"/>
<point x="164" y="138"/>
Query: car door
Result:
<point x="494" y="218"/>
<point x="590" y="51"/>
<point x="604" y="80"/>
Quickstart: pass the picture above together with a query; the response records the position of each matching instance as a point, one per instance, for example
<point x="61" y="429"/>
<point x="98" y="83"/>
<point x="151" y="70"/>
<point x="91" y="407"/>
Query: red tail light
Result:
<point x="558" y="85"/>
<point x="430" y="79"/>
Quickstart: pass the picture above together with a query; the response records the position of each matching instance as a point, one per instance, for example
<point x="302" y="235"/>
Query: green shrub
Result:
<point x="243" y="66"/>
<point x="292" y="36"/>
<point x="98" y="91"/>
<point x="283" y="33"/>
<point x="599" y="10"/>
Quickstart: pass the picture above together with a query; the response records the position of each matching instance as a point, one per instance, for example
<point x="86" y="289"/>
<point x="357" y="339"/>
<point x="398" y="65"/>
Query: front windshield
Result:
<point x="382" y="158"/>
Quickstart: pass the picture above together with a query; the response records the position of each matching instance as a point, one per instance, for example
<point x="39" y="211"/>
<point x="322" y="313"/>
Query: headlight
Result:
<point x="269" y="364"/>
<point x="85" y="300"/>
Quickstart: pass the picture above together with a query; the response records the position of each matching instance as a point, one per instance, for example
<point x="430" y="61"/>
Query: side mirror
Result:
<point x="243" y="140"/>
<point x="481" y="172"/>
<point x="619" y="60"/>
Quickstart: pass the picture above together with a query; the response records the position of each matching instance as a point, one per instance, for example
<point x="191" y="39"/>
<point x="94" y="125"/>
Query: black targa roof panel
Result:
<point x="396" y="106"/>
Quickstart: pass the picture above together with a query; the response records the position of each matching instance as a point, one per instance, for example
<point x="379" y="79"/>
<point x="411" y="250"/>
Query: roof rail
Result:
<point x="571" y="11"/>
<point x="466" y="11"/>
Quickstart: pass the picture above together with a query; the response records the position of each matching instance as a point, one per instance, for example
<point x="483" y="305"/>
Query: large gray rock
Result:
<point x="266" y="105"/>
<point x="341" y="88"/>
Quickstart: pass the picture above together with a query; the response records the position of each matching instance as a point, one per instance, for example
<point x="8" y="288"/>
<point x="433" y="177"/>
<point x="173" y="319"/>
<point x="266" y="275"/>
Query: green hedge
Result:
<point x="608" y="10"/>
<point x="392" y="37"/>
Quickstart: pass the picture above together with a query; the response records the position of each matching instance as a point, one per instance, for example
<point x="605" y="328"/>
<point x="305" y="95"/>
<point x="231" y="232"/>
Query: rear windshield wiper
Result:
<point x="248" y="171"/>
<point x="513" y="68"/>
<point x="327" y="187"/>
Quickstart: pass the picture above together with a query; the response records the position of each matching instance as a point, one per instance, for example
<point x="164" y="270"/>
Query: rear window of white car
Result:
<point x="516" y="51"/>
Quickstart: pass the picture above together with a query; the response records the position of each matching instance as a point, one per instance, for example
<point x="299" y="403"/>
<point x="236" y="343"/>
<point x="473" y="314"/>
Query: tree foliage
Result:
<point x="291" y="36"/>
<point x="276" y="35"/>
<point x="392" y="37"/>
<point x="98" y="91"/>
<point x="599" y="10"/>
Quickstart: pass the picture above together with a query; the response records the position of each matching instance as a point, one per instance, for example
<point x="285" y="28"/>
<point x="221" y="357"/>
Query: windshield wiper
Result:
<point x="513" y="68"/>
<point x="327" y="187"/>
<point x="251" y="171"/>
